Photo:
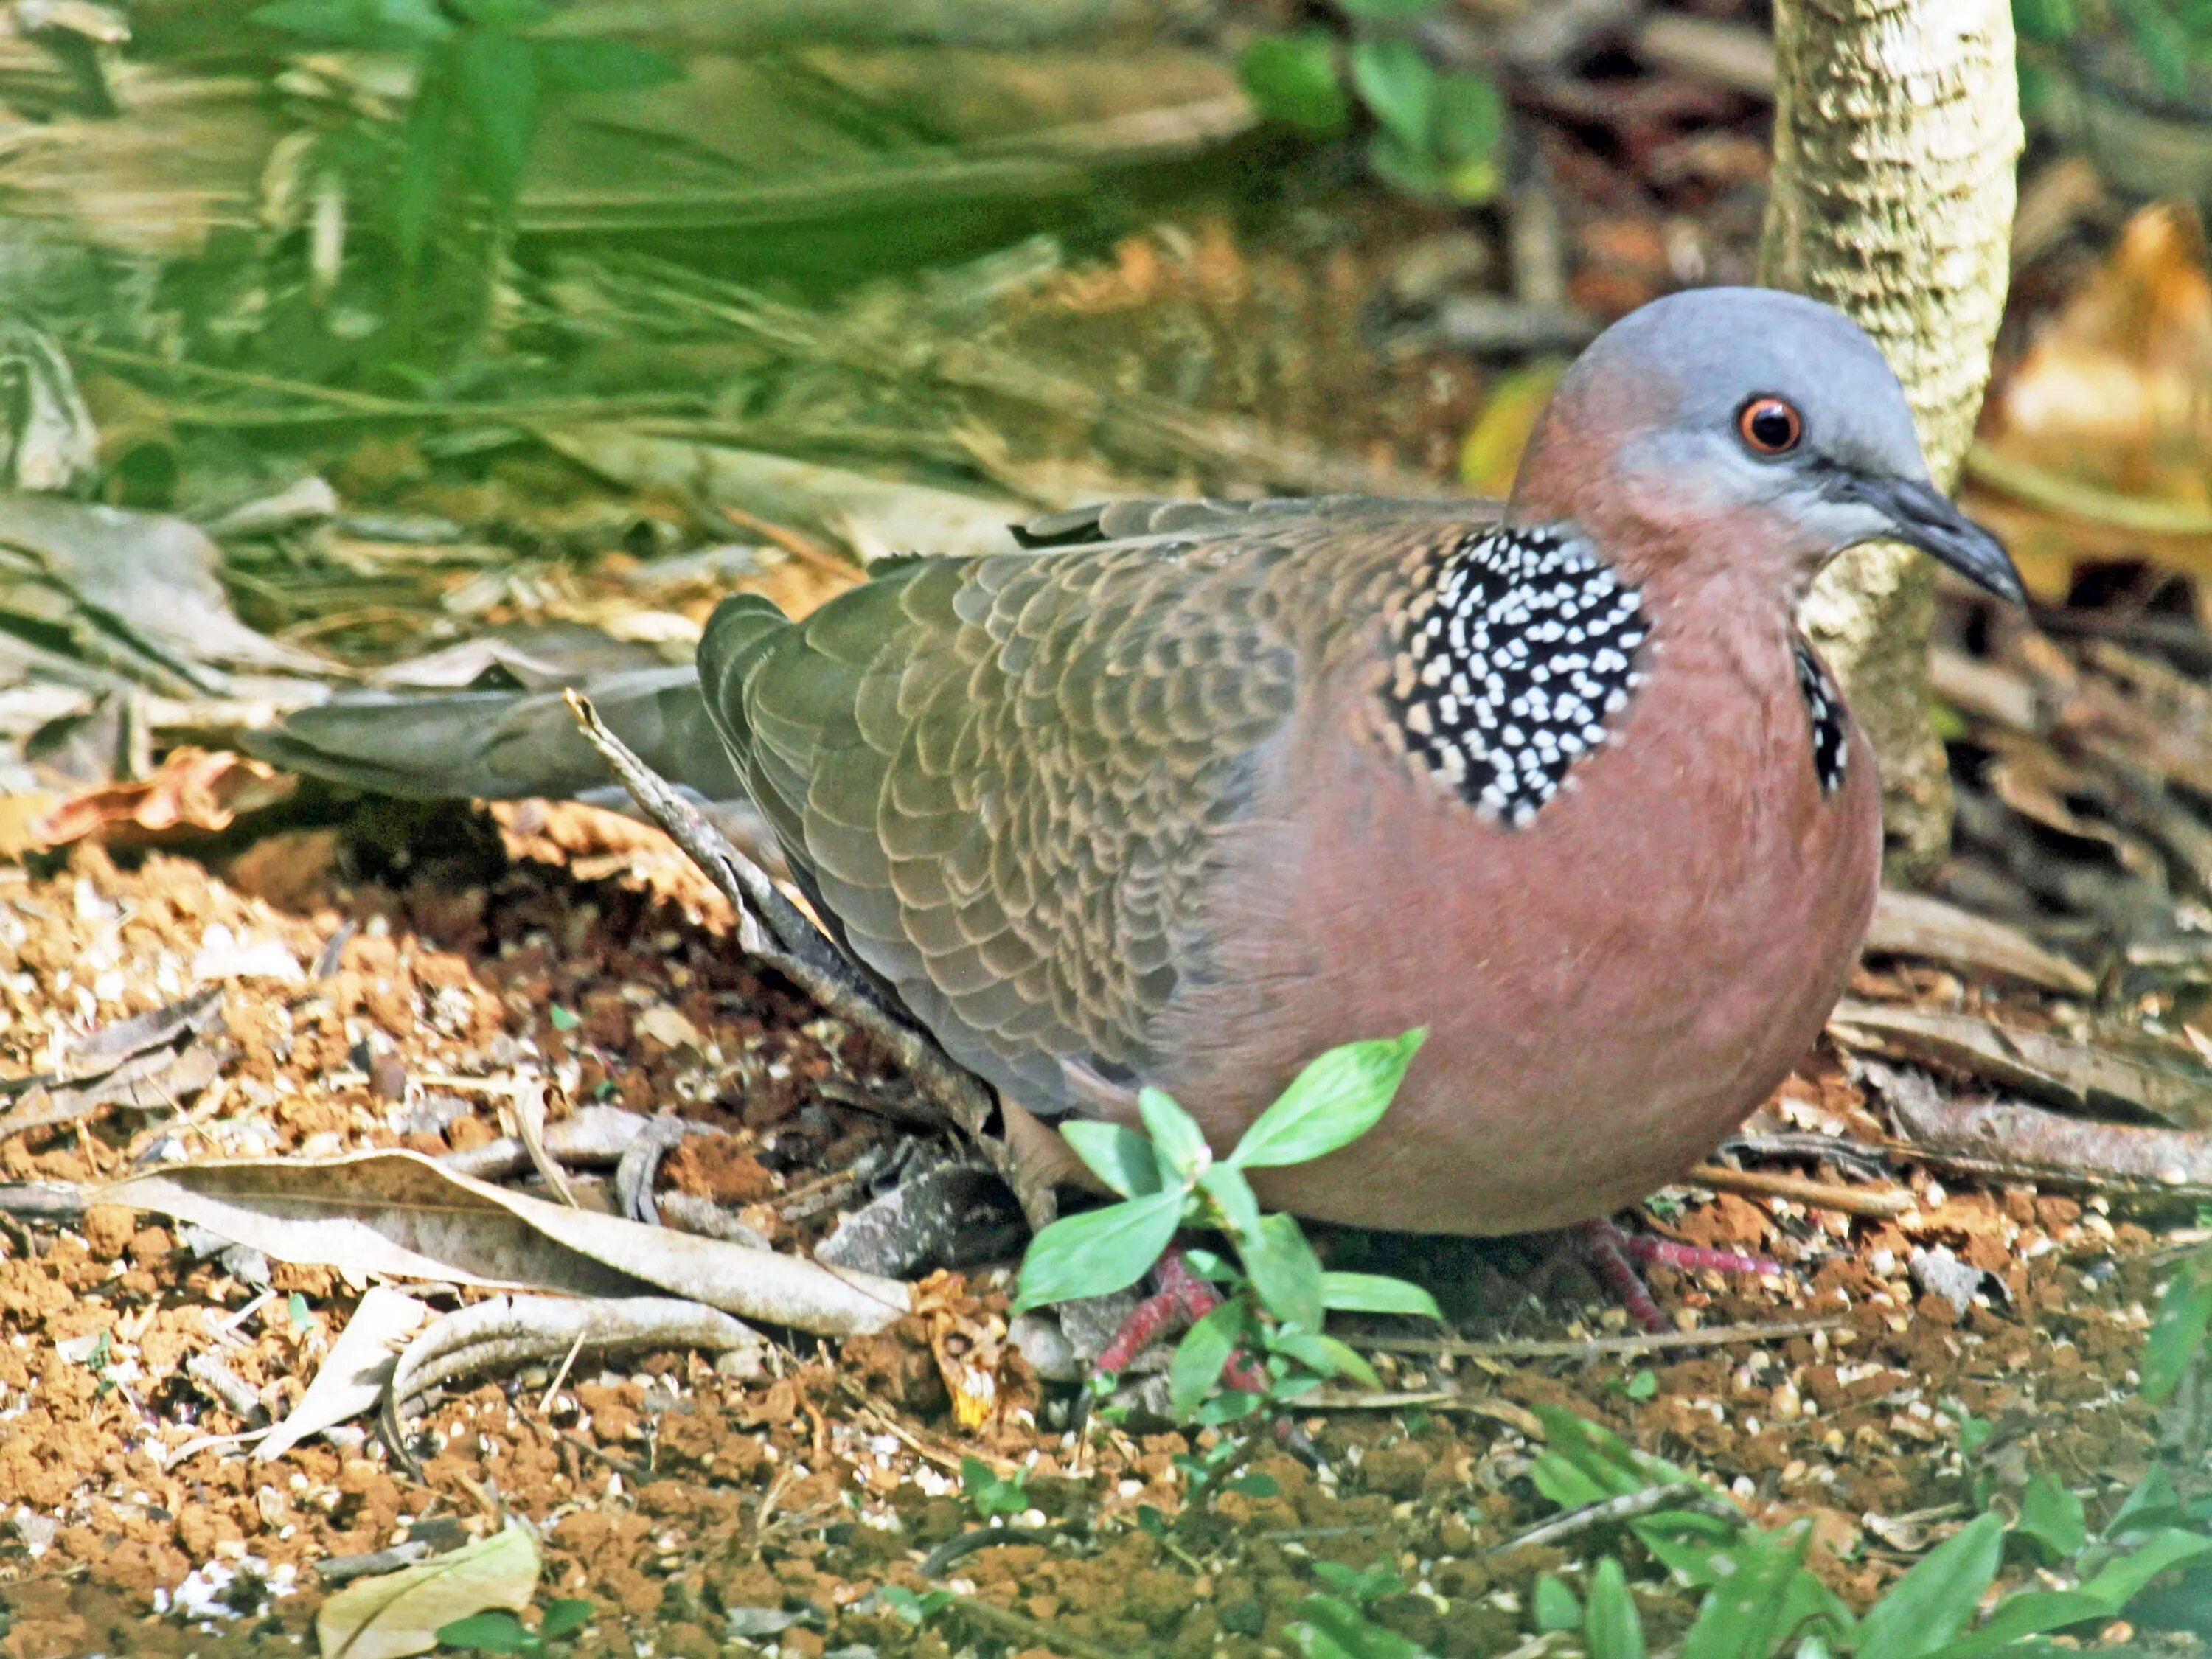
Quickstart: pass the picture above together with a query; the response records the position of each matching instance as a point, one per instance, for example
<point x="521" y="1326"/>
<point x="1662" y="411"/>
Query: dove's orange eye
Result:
<point x="1770" y="426"/>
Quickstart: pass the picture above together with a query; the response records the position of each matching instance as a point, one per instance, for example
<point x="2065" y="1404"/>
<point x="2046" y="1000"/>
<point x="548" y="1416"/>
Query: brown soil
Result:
<point x="671" y="1494"/>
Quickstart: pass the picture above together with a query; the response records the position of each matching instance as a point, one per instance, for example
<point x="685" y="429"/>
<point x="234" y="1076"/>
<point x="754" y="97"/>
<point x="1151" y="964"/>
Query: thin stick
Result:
<point x="1600" y="1348"/>
<point x="1877" y="1202"/>
<point x="1612" y="1512"/>
<point x="1002" y="1622"/>
<point x="771" y="928"/>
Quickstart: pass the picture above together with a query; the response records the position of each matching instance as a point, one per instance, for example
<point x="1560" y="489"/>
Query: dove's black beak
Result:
<point x="1919" y="515"/>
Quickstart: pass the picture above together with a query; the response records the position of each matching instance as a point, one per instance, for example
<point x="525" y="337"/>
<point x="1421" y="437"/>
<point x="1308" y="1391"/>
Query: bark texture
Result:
<point x="1896" y="132"/>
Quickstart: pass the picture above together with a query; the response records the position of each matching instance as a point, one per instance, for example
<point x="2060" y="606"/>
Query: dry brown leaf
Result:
<point x="969" y="1345"/>
<point x="401" y="1214"/>
<point x="2110" y="414"/>
<point x="354" y="1372"/>
<point x="402" y="1613"/>
<point x="2076" y="1075"/>
<point x="196" y="791"/>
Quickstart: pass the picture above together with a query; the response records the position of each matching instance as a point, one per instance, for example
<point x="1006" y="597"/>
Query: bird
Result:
<point x="1183" y="794"/>
<point x="1180" y="794"/>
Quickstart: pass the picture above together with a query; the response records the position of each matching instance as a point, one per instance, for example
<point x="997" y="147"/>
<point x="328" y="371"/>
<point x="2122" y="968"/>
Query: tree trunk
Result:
<point x="1896" y="132"/>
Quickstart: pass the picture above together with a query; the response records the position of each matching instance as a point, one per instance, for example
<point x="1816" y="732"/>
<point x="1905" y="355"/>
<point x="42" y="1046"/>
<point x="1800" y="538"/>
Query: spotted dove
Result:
<point x="1187" y="792"/>
<point x="1191" y="791"/>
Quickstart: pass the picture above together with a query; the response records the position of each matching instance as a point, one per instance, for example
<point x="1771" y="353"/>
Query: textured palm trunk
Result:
<point x="1896" y="132"/>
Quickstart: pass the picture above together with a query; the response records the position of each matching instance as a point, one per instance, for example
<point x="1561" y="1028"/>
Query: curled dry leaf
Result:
<point x="2070" y="1074"/>
<point x="509" y="1330"/>
<point x="1914" y="925"/>
<point x="402" y="1613"/>
<point x="2013" y="1142"/>
<point x="401" y="1214"/>
<point x="969" y="1345"/>
<point x="150" y="1061"/>
<point x="355" y="1372"/>
<point x="196" y="791"/>
<point x="2095" y="443"/>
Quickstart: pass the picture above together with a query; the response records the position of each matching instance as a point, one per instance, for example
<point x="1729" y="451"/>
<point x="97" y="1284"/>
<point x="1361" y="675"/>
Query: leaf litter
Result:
<point x="728" y="1489"/>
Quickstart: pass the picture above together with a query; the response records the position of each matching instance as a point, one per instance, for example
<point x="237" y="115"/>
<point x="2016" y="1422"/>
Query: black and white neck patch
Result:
<point x="1824" y="706"/>
<point x="1515" y="648"/>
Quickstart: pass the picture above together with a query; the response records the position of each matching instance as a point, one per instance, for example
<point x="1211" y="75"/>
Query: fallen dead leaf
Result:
<point x="399" y="1213"/>
<point x="354" y="1373"/>
<point x="402" y="1613"/>
<point x="196" y="791"/>
<point x="2095" y="445"/>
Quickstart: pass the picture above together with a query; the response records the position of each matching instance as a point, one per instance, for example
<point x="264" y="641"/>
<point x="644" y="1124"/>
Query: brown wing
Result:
<point x="1003" y="777"/>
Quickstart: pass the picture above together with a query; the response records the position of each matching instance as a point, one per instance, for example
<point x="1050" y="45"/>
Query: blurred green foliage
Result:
<point x="1434" y="132"/>
<point x="2172" y="38"/>
<point x="484" y="72"/>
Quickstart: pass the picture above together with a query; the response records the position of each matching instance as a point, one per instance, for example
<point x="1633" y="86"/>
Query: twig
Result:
<point x="343" y="1568"/>
<point x="1035" y="1632"/>
<point x="1612" y="1512"/>
<point x="231" y="1390"/>
<point x="1877" y="1202"/>
<point x="963" y="1546"/>
<point x="1600" y="1348"/>
<point x="771" y="928"/>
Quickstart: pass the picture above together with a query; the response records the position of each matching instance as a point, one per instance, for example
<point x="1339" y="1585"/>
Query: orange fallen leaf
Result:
<point x="194" y="790"/>
<point x="2100" y="443"/>
<point x="980" y="1367"/>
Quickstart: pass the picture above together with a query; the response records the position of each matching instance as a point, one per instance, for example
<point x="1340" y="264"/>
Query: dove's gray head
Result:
<point x="1744" y="424"/>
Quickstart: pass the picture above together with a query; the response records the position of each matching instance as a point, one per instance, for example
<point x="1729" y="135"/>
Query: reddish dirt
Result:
<point x="669" y="1493"/>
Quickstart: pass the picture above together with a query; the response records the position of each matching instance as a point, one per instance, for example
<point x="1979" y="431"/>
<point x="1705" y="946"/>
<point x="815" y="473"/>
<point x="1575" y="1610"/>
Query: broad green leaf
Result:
<point x="489" y="1632"/>
<point x="502" y="14"/>
<point x="1469" y="118"/>
<point x="496" y="76"/>
<point x="2052" y="1517"/>
<point x="2176" y="1330"/>
<point x="1253" y="1485"/>
<point x="1229" y="1189"/>
<point x="1293" y="79"/>
<point x="1612" y="1628"/>
<point x="1585" y="1462"/>
<point x="1376" y="1293"/>
<point x="1334" y="1101"/>
<point x="1117" y="1155"/>
<point x="1097" y="1252"/>
<point x="1208" y="1266"/>
<point x="1326" y="1357"/>
<point x="427" y="143"/>
<point x="1199" y="1357"/>
<point x="1554" y="1605"/>
<point x="1746" y="1614"/>
<point x="1178" y="1142"/>
<point x="2032" y="1612"/>
<point x="1285" y="1271"/>
<point x="1229" y="1406"/>
<point x="1399" y="88"/>
<point x="2153" y="1502"/>
<point x="2050" y="22"/>
<point x="2120" y="1581"/>
<point x="1404" y="167"/>
<point x="1931" y="1604"/>
<point x="1333" y="1626"/>
<point x="564" y="1615"/>
<point x="1688" y="1543"/>
<point x="374" y="25"/>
